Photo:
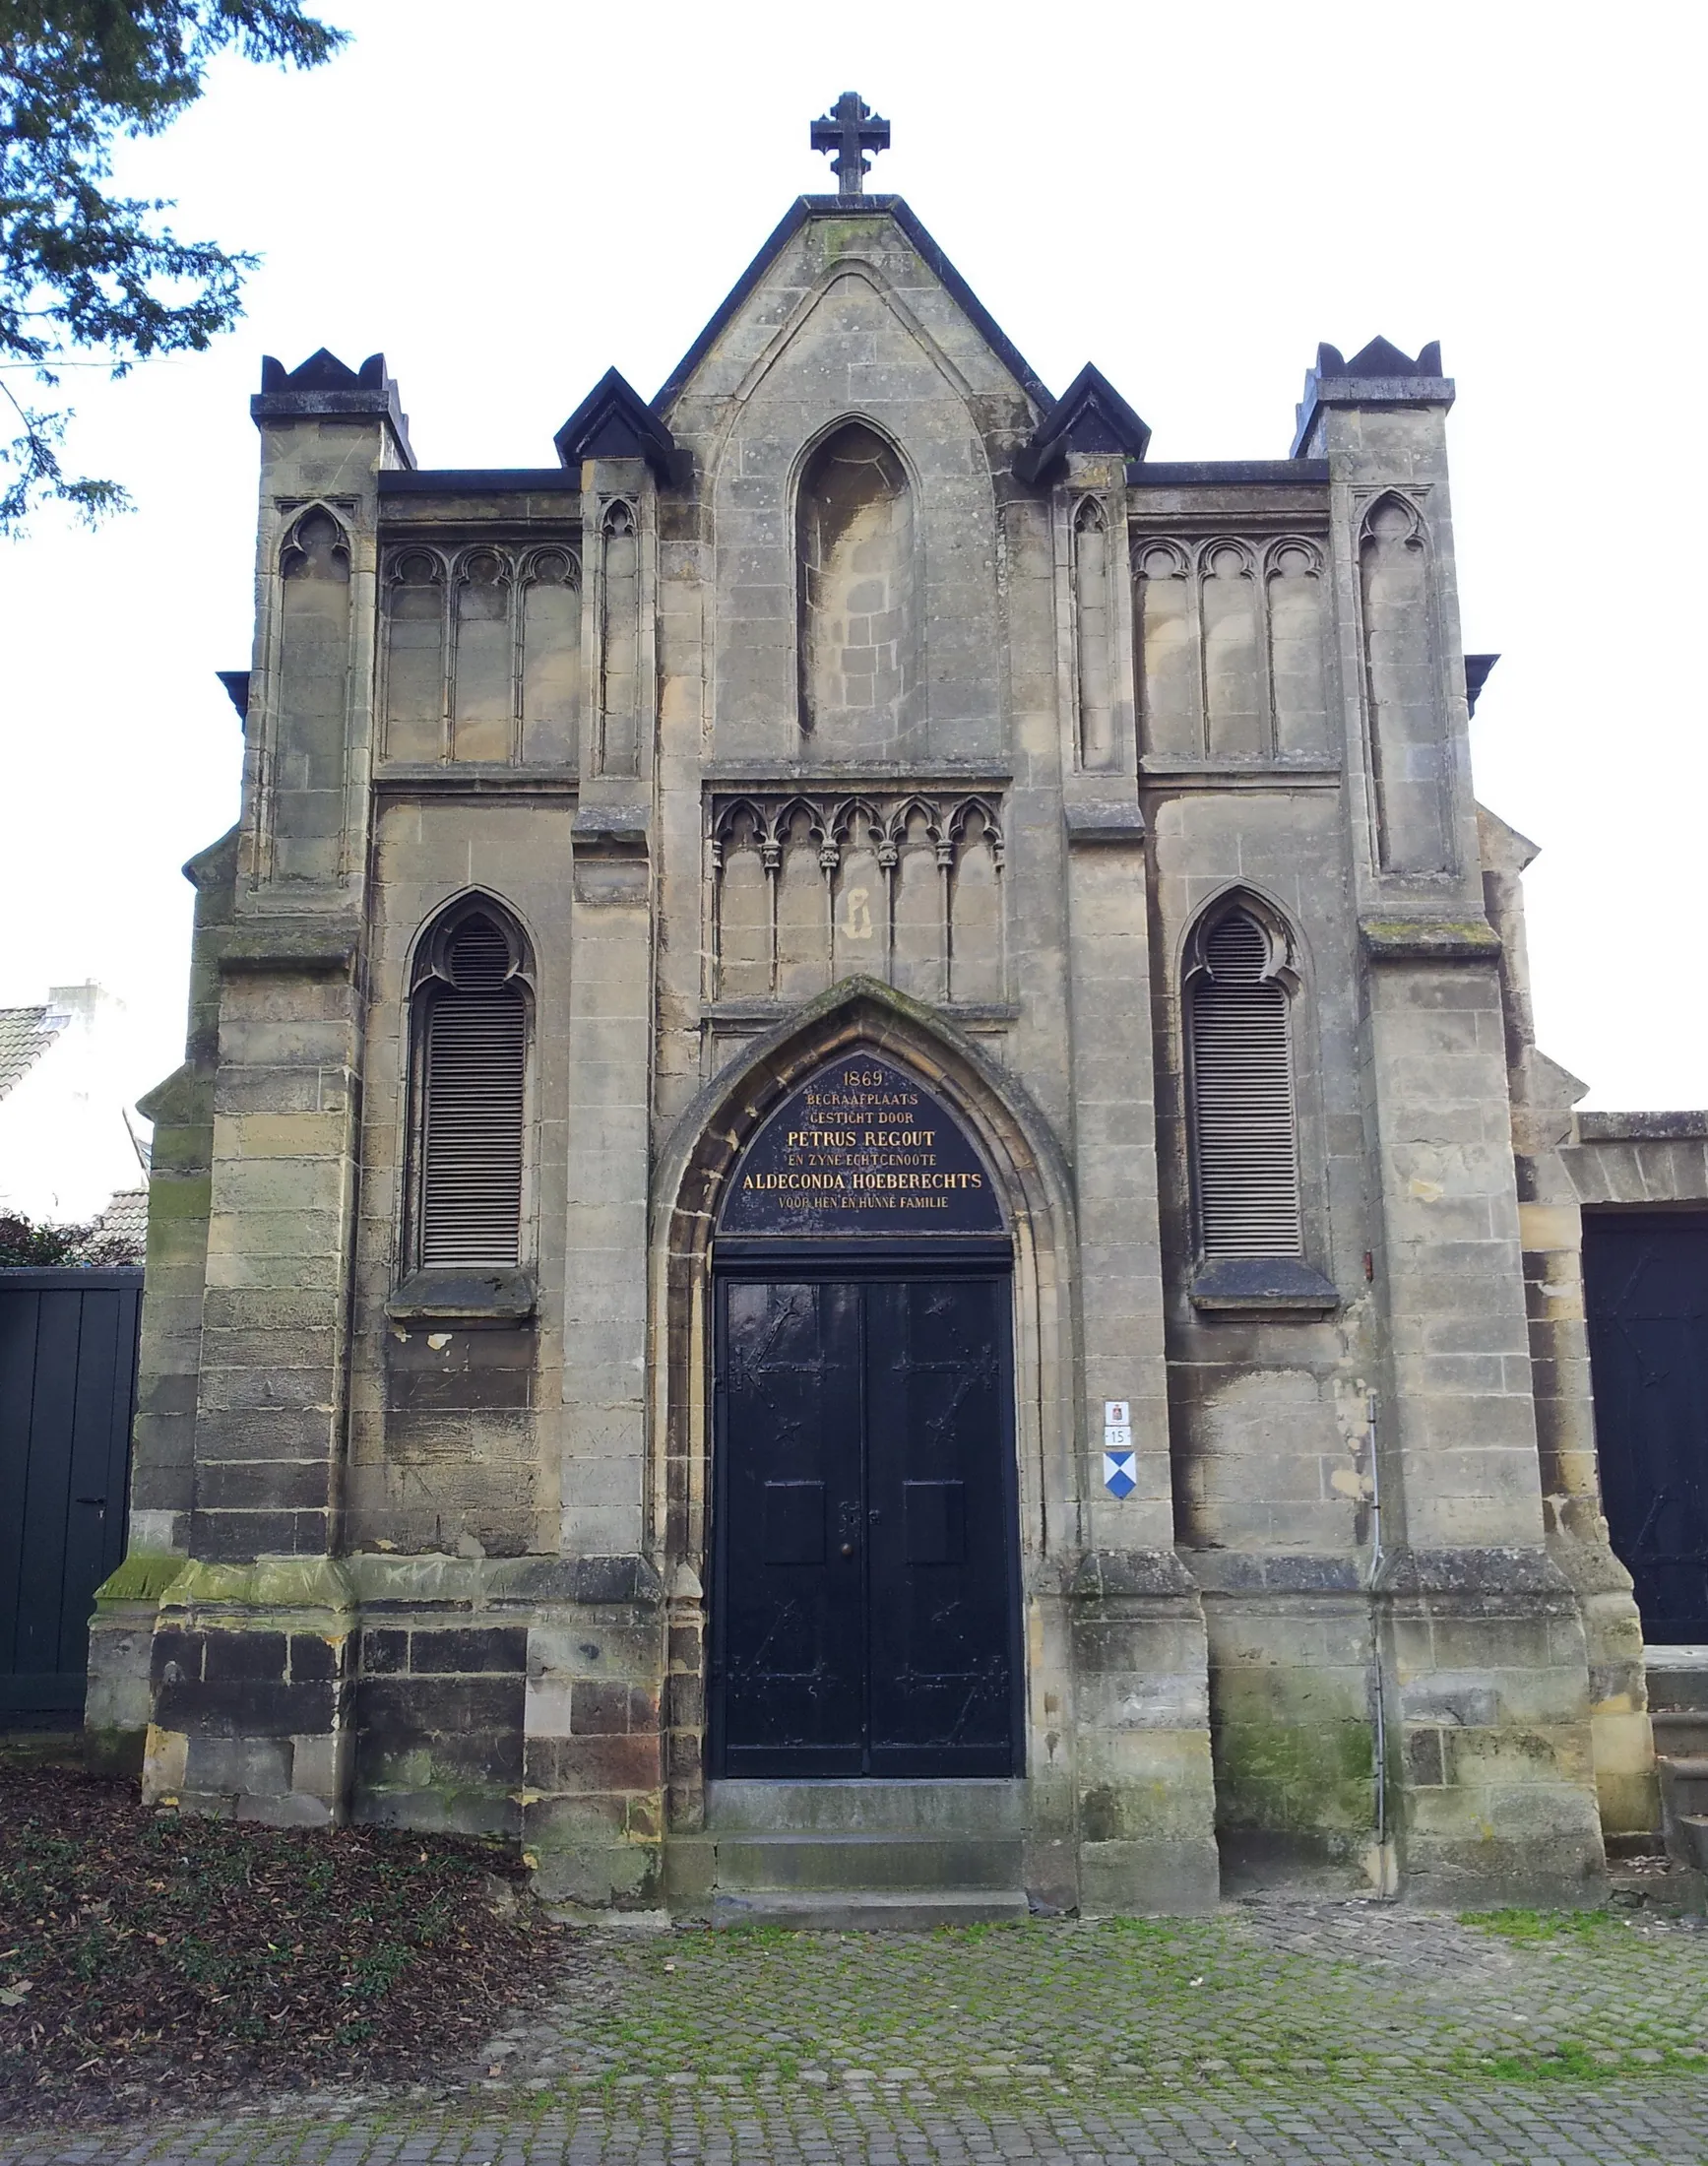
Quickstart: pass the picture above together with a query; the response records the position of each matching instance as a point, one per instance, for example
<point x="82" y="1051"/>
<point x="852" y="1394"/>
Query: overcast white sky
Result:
<point x="509" y="198"/>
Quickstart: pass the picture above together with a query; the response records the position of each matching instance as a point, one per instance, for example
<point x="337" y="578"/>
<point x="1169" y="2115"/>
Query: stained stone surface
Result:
<point x="1277" y="2029"/>
<point x="857" y="696"/>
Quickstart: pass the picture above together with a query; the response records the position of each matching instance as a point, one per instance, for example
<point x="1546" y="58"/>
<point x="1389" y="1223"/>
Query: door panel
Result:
<point x="941" y="1662"/>
<point x="68" y="1357"/>
<point x="1646" y="1290"/>
<point x="865" y="1615"/>
<point x="792" y="1640"/>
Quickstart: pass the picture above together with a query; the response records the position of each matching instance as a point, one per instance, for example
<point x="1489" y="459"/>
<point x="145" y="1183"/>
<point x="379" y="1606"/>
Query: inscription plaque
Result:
<point x="863" y="1147"/>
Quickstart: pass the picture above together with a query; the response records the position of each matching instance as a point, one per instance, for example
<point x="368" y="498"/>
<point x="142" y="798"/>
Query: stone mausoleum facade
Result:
<point x="860" y="1210"/>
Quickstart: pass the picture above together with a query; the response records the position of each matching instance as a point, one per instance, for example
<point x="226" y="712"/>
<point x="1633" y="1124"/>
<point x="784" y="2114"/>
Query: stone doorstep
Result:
<point x="1678" y="1686"/>
<point x="1690" y="1831"/>
<point x="1683" y="1806"/>
<point x="912" y="1910"/>
<point x="853" y="1855"/>
<point x="1681" y="1733"/>
<point x="1678" y="1678"/>
<point x="855" y="1864"/>
<point x="983" y="1807"/>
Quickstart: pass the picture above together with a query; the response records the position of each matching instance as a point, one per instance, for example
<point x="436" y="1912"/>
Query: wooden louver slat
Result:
<point x="475" y="1051"/>
<point x="1245" y="1123"/>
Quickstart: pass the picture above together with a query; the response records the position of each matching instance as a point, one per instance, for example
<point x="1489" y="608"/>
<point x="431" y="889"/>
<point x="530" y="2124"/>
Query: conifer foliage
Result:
<point x="84" y="269"/>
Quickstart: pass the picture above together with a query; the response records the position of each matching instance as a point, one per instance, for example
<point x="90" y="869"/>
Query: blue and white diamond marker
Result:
<point x="1119" y="1476"/>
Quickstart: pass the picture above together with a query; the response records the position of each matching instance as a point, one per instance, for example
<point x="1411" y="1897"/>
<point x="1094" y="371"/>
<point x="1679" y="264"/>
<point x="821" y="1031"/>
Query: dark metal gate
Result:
<point x="68" y="1380"/>
<point x="864" y="1586"/>
<point x="1646" y="1291"/>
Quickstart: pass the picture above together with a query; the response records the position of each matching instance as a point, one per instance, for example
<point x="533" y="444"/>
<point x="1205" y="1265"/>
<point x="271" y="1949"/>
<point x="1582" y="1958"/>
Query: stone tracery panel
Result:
<point x="1407" y="744"/>
<point x="482" y="654"/>
<point x="1234" y="688"/>
<point x="1231" y="635"/>
<point x="483" y="676"/>
<point x="807" y="889"/>
<point x="1093" y="660"/>
<point x="309" y="751"/>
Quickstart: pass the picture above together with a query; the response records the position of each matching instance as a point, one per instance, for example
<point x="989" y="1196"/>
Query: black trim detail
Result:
<point x="1228" y="472"/>
<point x="925" y="1256"/>
<point x="1090" y="415"/>
<point x="323" y="384"/>
<point x="1476" y="669"/>
<point x="478" y="481"/>
<point x="613" y="422"/>
<point x="236" y="684"/>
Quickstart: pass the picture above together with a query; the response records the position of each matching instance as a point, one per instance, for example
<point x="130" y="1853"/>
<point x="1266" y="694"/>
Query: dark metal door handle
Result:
<point x="99" y="1501"/>
<point x="848" y="1549"/>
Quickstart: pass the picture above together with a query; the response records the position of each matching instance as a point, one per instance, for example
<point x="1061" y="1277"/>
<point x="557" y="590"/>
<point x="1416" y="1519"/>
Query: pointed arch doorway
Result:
<point x="865" y="1584"/>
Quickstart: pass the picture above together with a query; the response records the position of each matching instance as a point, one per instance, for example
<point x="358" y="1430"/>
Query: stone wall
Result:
<point x="1102" y="698"/>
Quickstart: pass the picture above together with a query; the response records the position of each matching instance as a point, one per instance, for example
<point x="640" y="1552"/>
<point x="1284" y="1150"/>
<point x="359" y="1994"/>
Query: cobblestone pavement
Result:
<point x="1281" y="2029"/>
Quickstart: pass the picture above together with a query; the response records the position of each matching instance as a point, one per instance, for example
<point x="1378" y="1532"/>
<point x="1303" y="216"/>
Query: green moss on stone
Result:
<point x="143" y="1577"/>
<point x="1312" y="1773"/>
<point x="272" y="1583"/>
<point x="844" y="237"/>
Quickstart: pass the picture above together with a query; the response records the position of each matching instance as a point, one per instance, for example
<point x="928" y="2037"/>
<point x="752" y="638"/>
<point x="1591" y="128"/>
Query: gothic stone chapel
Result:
<point x="841" y="1236"/>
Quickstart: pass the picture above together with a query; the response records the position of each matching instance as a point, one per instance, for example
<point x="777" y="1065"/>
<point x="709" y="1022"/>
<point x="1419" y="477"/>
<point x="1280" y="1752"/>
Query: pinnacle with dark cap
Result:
<point x="849" y="130"/>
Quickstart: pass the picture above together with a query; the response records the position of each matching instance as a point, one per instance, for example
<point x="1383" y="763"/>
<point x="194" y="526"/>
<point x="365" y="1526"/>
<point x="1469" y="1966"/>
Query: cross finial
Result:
<point x="849" y="130"/>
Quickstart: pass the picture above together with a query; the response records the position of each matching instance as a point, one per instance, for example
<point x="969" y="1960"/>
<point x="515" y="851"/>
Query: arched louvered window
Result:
<point x="471" y="1099"/>
<point x="1245" y="1123"/>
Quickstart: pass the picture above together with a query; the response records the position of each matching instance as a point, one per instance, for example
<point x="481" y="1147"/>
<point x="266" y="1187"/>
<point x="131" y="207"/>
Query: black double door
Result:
<point x="864" y="1592"/>
<point x="1646" y="1294"/>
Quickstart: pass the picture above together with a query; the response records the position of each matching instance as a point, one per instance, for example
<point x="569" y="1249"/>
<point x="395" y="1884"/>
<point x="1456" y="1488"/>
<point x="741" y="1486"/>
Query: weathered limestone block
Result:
<point x="251" y="1674"/>
<point x="594" y="1799"/>
<point x="1292" y="1715"/>
<point x="119" y="1706"/>
<point x="1489" y="1732"/>
<point x="1142" y="1764"/>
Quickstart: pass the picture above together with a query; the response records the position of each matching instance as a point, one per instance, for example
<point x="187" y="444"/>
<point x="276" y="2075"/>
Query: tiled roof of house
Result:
<point x="24" y="1038"/>
<point x="125" y="1218"/>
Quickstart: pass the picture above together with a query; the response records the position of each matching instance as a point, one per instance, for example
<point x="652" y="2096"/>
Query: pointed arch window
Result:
<point x="471" y="1027"/>
<point x="1242" y="1006"/>
<point x="1244" y="1121"/>
<point x="859" y="612"/>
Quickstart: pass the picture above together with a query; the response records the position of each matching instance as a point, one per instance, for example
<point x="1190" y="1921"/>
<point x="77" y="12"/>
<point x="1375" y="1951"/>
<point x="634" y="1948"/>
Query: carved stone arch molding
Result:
<point x="1394" y="512"/>
<point x="868" y="274"/>
<point x="556" y="562"/>
<point x="314" y="534"/>
<point x="1285" y="962"/>
<point x="1279" y="553"/>
<point x="697" y="1161"/>
<point x="428" y="948"/>
<point x="853" y="416"/>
